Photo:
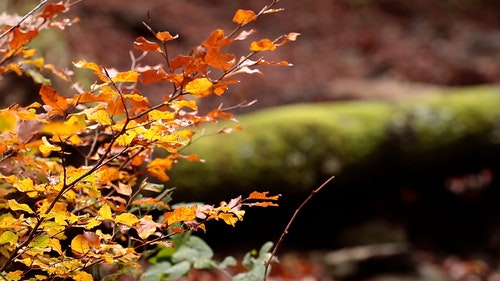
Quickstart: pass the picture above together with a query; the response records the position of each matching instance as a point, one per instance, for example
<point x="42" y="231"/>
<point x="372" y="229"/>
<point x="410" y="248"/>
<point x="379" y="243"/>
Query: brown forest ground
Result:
<point x="381" y="42"/>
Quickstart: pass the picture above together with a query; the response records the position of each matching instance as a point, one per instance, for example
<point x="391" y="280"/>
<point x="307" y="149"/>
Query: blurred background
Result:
<point x="431" y="212"/>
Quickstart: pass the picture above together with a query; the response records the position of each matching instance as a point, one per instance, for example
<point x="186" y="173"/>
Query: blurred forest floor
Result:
<point x="347" y="48"/>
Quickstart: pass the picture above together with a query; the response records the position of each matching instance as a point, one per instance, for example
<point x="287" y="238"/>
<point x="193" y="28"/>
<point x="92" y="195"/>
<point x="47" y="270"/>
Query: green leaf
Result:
<point x="166" y="271"/>
<point x="256" y="265"/>
<point x="228" y="261"/>
<point x="8" y="237"/>
<point x="197" y="252"/>
<point x="40" y="242"/>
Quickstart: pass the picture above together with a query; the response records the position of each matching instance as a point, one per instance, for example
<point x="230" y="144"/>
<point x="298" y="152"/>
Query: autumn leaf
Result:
<point x="82" y="276"/>
<point x="105" y="212"/>
<point x="8" y="237"/>
<point x="199" y="87"/>
<point x="58" y="105"/>
<point x="143" y="44"/>
<point x="262" y="45"/>
<point x="216" y="59"/>
<point x="46" y="147"/>
<point x="51" y="10"/>
<point x="165" y="36"/>
<point x="159" y="166"/>
<point x="126" y="219"/>
<point x="216" y="40"/>
<point x="262" y="204"/>
<point x="262" y="196"/>
<point x="15" y="206"/>
<point x="180" y="214"/>
<point x="22" y="37"/>
<point x="97" y="69"/>
<point x="242" y="17"/>
<point x="150" y="201"/>
<point x="82" y="243"/>
<point x="127" y="76"/>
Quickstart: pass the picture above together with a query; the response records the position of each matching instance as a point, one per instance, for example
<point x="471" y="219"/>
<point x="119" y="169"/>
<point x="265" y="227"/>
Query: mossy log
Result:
<point x="290" y="149"/>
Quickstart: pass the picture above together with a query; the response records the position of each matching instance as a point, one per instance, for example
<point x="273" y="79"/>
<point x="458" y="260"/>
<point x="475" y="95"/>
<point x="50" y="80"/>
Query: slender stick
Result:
<point x="40" y="5"/>
<point x="285" y="232"/>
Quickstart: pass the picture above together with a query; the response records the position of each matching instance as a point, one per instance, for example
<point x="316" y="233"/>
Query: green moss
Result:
<point x="294" y="147"/>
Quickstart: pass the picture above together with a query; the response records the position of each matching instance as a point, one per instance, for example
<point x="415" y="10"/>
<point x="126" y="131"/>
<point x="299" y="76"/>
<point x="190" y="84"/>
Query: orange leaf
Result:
<point x="50" y="97"/>
<point x="217" y="113"/>
<point x="243" y="17"/>
<point x="51" y="10"/>
<point x="165" y="36"/>
<point x="180" y="214"/>
<point x="150" y="201"/>
<point x="262" y="204"/>
<point x="262" y="45"/>
<point x="152" y="76"/>
<point x="22" y="37"/>
<point x="97" y="69"/>
<point x="127" y="76"/>
<point x="143" y="44"/>
<point x="218" y="60"/>
<point x="159" y="166"/>
<point x="221" y="86"/>
<point x="262" y="196"/>
<point x="216" y="40"/>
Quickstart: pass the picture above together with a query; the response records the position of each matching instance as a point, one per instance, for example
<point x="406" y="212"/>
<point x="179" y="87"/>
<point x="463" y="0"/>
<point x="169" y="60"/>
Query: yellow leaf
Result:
<point x="13" y="205"/>
<point x="126" y="219"/>
<point x="127" y="76"/>
<point x="161" y="115"/>
<point x="262" y="45"/>
<point x="243" y="17"/>
<point x="101" y="116"/>
<point x="80" y="245"/>
<point x="55" y="245"/>
<point x="46" y="147"/>
<point x="82" y="276"/>
<point x="228" y="218"/>
<point x="26" y="186"/>
<point x="199" y="87"/>
<point x="105" y="213"/>
<point x="8" y="121"/>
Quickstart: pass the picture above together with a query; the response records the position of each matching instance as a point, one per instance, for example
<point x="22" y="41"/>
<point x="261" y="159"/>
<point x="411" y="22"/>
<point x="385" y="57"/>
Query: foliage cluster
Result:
<point x="75" y="195"/>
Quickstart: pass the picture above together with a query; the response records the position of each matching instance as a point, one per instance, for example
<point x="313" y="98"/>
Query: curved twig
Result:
<point x="285" y="232"/>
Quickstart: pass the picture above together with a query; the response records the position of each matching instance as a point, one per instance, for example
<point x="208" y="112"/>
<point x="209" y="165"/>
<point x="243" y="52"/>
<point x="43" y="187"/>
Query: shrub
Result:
<point x="75" y="198"/>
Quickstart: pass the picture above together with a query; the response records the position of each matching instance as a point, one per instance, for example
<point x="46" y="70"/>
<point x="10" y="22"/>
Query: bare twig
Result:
<point x="37" y="7"/>
<point x="285" y="232"/>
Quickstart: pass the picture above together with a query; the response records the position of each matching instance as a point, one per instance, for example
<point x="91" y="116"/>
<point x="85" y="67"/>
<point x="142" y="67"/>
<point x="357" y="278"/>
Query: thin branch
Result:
<point x="285" y="232"/>
<point x="40" y="5"/>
